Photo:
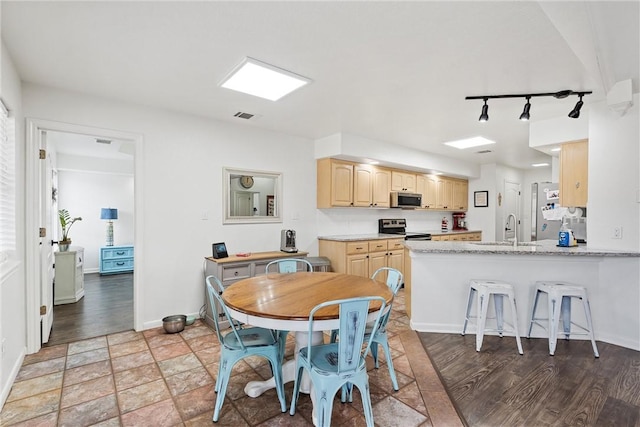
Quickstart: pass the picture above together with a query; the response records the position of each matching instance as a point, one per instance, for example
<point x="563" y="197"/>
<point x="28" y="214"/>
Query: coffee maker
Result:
<point x="288" y="241"/>
<point x="459" y="222"/>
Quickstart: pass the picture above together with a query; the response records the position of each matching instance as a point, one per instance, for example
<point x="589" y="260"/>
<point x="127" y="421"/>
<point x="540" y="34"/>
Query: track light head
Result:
<point x="525" y="113"/>
<point x="575" y="113"/>
<point x="484" y="116"/>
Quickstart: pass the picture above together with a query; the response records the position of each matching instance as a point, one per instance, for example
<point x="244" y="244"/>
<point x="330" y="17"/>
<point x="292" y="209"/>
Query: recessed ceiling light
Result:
<point x="539" y="165"/>
<point x="260" y="79"/>
<point x="555" y="149"/>
<point x="476" y="141"/>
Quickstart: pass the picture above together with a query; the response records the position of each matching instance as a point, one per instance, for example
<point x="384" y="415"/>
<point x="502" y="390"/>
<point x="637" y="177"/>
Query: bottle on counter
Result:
<point x="564" y="235"/>
<point x="445" y="224"/>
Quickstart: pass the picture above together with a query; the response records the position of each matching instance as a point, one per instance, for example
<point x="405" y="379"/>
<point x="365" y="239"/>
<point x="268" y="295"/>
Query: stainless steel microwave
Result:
<point x="405" y="200"/>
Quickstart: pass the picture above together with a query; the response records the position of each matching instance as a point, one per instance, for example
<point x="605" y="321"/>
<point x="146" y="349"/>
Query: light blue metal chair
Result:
<point x="394" y="281"/>
<point x="335" y="366"/>
<point x="288" y="265"/>
<point x="241" y="343"/>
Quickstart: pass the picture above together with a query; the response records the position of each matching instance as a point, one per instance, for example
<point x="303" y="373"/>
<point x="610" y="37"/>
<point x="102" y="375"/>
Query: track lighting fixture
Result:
<point x="484" y="116"/>
<point x="525" y="113"/>
<point x="574" y="114"/>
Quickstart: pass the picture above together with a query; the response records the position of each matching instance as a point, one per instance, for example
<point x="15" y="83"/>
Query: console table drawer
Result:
<point x="117" y="252"/>
<point x="117" y="265"/>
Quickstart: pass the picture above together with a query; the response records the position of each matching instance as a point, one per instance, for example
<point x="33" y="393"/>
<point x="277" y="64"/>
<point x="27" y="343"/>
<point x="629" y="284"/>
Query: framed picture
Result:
<point x="271" y="206"/>
<point x="480" y="199"/>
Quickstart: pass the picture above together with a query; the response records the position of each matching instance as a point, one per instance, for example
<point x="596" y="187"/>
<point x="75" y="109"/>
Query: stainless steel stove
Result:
<point x="399" y="226"/>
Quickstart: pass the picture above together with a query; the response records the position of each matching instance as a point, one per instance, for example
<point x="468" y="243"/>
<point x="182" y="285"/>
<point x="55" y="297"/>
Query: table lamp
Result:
<point x="109" y="214"/>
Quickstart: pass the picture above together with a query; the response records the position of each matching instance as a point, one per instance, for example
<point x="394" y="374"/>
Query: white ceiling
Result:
<point x="390" y="71"/>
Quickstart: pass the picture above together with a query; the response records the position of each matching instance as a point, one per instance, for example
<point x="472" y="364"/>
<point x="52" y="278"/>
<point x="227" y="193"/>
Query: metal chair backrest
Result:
<point x="289" y="265"/>
<point x="214" y="290"/>
<point x="353" y="323"/>
<point x="394" y="278"/>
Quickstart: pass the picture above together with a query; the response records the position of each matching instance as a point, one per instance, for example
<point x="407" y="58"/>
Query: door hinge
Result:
<point x="42" y="154"/>
<point x="43" y="310"/>
<point x="42" y="231"/>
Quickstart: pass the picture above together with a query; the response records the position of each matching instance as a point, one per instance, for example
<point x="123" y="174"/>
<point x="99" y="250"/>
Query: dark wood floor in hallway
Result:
<point x="106" y="308"/>
<point x="499" y="387"/>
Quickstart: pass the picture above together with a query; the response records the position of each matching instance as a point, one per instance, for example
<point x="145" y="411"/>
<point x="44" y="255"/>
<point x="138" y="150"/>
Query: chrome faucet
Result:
<point x="515" y="229"/>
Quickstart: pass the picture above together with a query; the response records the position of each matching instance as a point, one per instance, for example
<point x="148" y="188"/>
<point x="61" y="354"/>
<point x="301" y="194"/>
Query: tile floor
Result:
<point x="152" y="378"/>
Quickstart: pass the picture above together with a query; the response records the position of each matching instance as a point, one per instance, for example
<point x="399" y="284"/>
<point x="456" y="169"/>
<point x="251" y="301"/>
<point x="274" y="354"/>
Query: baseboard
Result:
<point x="15" y="369"/>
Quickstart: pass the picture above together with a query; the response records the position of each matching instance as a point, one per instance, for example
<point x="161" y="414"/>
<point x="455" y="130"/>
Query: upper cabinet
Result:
<point x="574" y="158"/>
<point x="344" y="184"/>
<point x="403" y="181"/>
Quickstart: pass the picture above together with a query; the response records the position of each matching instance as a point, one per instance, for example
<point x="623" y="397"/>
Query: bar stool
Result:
<point x="559" y="296"/>
<point x="496" y="289"/>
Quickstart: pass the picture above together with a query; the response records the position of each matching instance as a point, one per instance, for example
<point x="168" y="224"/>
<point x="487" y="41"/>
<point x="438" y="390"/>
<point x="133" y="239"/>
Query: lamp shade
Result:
<point x="109" y="213"/>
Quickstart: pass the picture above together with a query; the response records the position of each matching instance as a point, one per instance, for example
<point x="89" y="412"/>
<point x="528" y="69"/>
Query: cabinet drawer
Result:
<point x="395" y="244"/>
<point x="378" y="246"/>
<point x="114" y="253"/>
<point x="117" y="264"/>
<point x="232" y="272"/>
<point x="357" y="248"/>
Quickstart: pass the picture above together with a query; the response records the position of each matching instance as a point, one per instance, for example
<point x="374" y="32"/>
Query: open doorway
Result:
<point x="94" y="180"/>
<point x="93" y="177"/>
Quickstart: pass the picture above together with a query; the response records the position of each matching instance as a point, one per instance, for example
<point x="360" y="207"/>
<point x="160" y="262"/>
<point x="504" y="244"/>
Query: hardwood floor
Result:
<point x="499" y="387"/>
<point x="106" y="308"/>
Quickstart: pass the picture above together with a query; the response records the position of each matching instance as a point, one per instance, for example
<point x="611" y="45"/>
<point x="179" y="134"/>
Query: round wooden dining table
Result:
<point x="283" y="301"/>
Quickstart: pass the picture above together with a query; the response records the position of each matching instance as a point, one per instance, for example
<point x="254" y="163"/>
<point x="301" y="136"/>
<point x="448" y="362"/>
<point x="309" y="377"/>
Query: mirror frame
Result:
<point x="226" y="190"/>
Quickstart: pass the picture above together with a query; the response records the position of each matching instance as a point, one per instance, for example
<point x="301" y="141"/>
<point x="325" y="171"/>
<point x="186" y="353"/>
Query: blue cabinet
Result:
<point x="116" y="259"/>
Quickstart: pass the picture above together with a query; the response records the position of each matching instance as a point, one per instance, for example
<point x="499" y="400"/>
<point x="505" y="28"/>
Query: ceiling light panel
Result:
<point x="476" y="141"/>
<point x="263" y="80"/>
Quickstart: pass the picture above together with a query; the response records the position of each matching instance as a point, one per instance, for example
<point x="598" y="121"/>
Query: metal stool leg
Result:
<point x="554" y="319"/>
<point x="469" y="303"/>
<point x="498" y="303"/>
<point x="566" y="316"/>
<point x="483" y="304"/>
<point x="587" y="313"/>
<point x="533" y="312"/>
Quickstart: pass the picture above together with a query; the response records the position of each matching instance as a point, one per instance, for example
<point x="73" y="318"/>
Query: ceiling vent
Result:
<point x="483" y="151"/>
<point x="103" y="141"/>
<point x="242" y="115"/>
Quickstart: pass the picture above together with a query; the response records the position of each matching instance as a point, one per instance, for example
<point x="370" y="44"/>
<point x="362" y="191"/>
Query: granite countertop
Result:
<point x="543" y="247"/>
<point x="378" y="236"/>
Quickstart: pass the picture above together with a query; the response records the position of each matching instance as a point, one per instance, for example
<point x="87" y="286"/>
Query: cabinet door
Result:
<point x="574" y="158"/>
<point x="444" y="195"/>
<point x="362" y="184"/>
<point x="376" y="261"/>
<point x="460" y="194"/>
<point x="396" y="260"/>
<point x="341" y="184"/>
<point x="358" y="265"/>
<point x="402" y="181"/>
<point x="381" y="188"/>
<point x="430" y="195"/>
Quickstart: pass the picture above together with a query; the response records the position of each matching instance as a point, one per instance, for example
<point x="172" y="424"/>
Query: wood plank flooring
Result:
<point x="499" y="387"/>
<point x="106" y="308"/>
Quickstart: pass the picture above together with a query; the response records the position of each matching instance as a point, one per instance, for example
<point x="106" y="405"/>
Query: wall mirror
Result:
<point x="252" y="196"/>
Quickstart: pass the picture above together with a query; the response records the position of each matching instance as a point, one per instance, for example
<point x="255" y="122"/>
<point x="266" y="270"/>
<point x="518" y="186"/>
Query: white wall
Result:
<point x="12" y="281"/>
<point x="614" y="177"/>
<point x="84" y="193"/>
<point x="182" y="178"/>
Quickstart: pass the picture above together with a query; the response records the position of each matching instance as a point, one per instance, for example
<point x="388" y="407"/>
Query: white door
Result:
<point x="511" y="205"/>
<point x="46" y="202"/>
<point x="243" y="204"/>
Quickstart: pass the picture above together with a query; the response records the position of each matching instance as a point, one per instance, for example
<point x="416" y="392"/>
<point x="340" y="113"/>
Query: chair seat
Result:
<point x="324" y="358"/>
<point x="251" y="337"/>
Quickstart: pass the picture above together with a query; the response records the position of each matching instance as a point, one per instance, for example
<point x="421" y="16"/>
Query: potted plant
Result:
<point x="66" y="222"/>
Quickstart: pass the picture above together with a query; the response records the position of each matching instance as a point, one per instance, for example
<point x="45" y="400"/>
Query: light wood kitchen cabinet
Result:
<point x="363" y="257"/>
<point x="574" y="158"/>
<point x="403" y="181"/>
<point x="371" y="186"/>
<point x="334" y="183"/>
<point x="460" y="195"/>
<point x="444" y="193"/>
<point x="427" y="186"/>
<point x="345" y="184"/>
<point x="474" y="236"/>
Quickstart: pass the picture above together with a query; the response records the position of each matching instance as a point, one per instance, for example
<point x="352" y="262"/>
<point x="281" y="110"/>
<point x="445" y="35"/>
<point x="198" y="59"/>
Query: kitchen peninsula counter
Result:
<point x="437" y="286"/>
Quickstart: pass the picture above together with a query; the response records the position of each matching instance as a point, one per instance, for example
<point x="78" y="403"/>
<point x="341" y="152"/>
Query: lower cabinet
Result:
<point x="69" y="276"/>
<point x="230" y="270"/>
<point x="474" y="236"/>
<point x="363" y="257"/>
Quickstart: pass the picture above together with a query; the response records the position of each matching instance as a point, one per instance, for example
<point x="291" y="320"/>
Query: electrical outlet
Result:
<point x="617" y="233"/>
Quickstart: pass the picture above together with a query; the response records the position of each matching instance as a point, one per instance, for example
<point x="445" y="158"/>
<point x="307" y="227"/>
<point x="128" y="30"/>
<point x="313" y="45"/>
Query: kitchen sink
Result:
<point x="505" y="243"/>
